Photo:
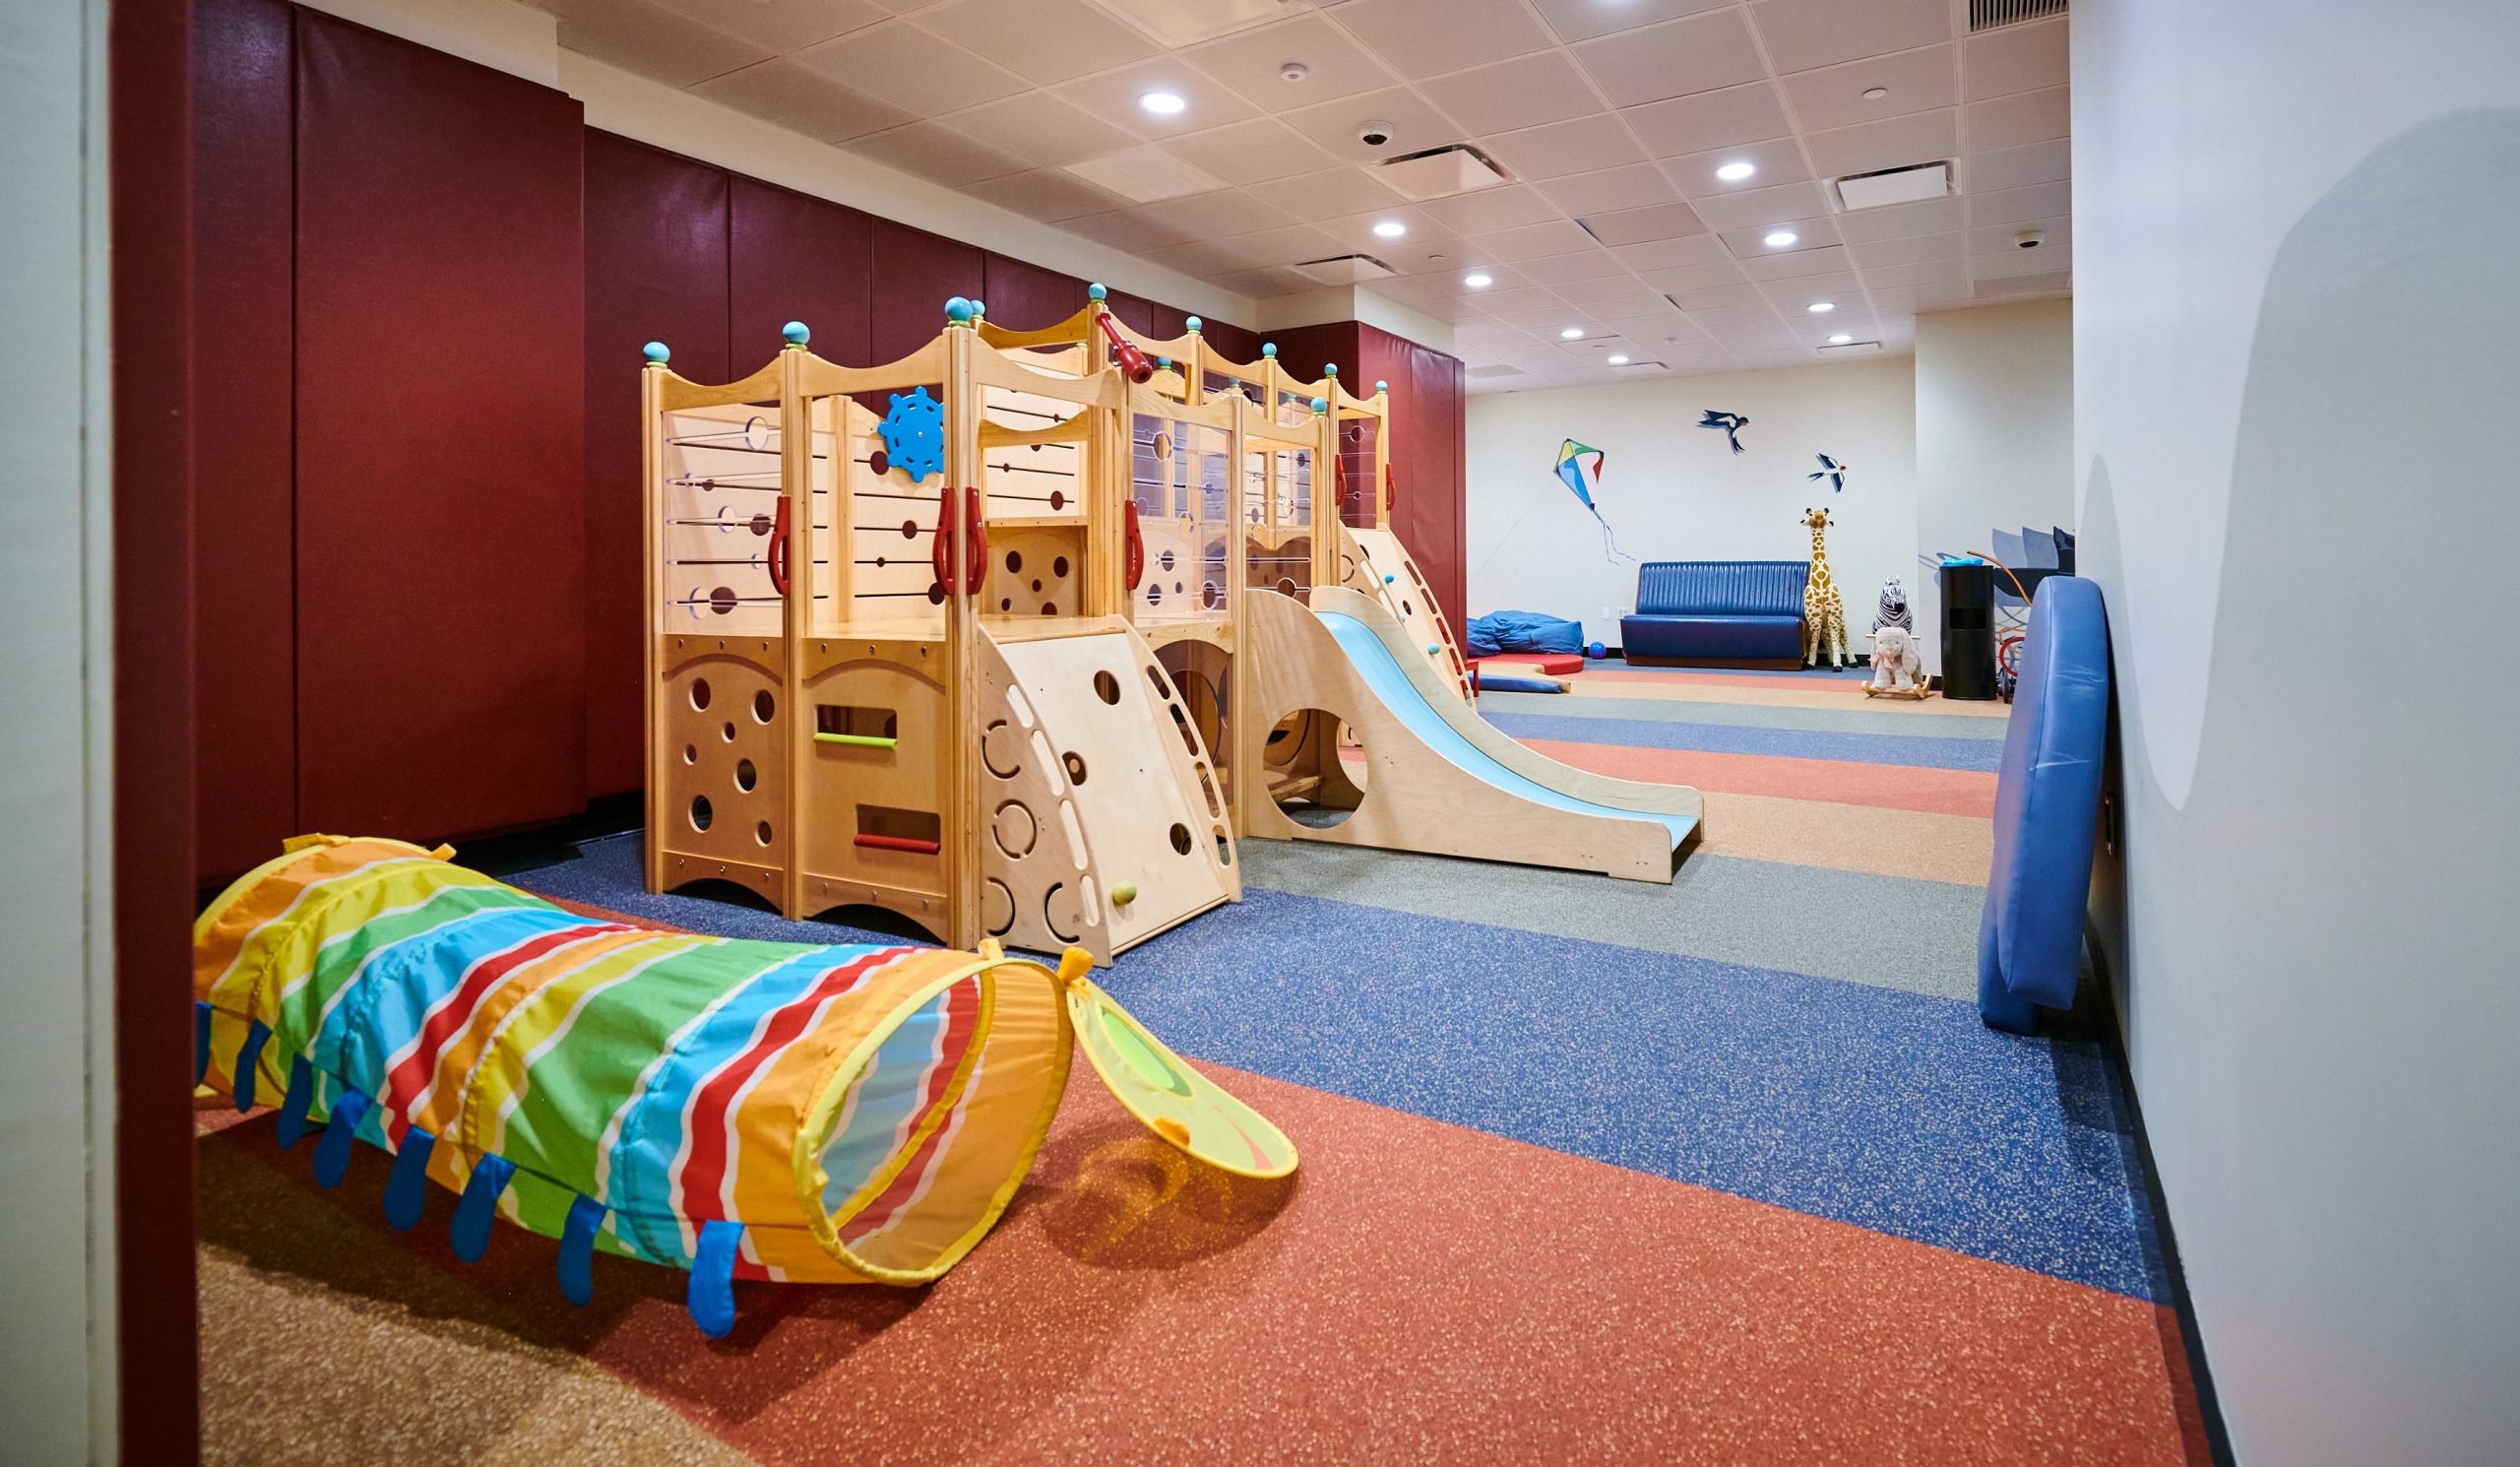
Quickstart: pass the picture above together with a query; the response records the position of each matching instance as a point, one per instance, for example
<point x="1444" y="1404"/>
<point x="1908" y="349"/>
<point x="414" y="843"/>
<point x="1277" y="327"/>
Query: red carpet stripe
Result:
<point x="1897" y="786"/>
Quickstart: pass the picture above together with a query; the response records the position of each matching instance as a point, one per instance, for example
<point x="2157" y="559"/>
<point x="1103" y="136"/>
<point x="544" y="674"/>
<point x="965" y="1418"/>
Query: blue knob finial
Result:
<point x="796" y="333"/>
<point x="1095" y="292"/>
<point x="1195" y="323"/>
<point x="1268" y="349"/>
<point x="1330" y="369"/>
<point x="980" y="308"/>
<point x="1164" y="362"/>
<point x="1320" y="406"/>
<point x="959" y="311"/>
<point x="1382" y="386"/>
<point x="656" y="354"/>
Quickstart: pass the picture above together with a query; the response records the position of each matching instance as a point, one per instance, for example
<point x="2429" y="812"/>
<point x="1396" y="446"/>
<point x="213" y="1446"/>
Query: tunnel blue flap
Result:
<point x="481" y="1206"/>
<point x="577" y="1250"/>
<point x="332" y="1153"/>
<point x="201" y="1042"/>
<point x="408" y="1189"/>
<point x="711" y="1296"/>
<point x="249" y="1059"/>
<point x="293" y="1106"/>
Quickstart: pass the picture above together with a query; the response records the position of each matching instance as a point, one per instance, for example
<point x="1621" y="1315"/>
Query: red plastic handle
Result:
<point x="1390" y="492"/>
<point x="894" y="842"/>
<point x="1132" y="360"/>
<point x="940" y="553"/>
<point x="1136" y="553"/>
<point x="978" y="567"/>
<point x="778" y="548"/>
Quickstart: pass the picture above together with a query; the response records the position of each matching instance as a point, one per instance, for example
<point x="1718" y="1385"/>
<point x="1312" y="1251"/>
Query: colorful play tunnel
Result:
<point x="767" y="1110"/>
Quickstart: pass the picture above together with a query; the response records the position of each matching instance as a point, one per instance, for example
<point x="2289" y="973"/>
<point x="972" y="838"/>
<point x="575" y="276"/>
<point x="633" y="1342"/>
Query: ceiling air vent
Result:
<point x="1989" y="15"/>
<point x="1146" y="173"/>
<point x="1346" y="270"/>
<point x="1639" y="367"/>
<point x="1179" y="23"/>
<point x="1853" y="348"/>
<point x="1494" y="370"/>
<point x="1889" y="186"/>
<point x="2051" y="283"/>
<point x="1455" y="168"/>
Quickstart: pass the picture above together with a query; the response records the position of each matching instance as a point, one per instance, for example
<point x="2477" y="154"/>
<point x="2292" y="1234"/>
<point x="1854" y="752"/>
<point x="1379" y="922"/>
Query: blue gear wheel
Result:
<point x="914" y="433"/>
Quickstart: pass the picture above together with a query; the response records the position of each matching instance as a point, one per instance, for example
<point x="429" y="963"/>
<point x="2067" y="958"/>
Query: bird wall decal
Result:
<point x="1732" y="425"/>
<point x="1832" y="471"/>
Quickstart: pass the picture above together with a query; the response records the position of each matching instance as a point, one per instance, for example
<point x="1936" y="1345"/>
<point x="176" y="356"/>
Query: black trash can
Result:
<point x="1968" y="632"/>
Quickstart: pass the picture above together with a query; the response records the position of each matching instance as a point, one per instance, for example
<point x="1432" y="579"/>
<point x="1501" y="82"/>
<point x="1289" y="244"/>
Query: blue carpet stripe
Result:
<point x="1888" y="1110"/>
<point x="1924" y="753"/>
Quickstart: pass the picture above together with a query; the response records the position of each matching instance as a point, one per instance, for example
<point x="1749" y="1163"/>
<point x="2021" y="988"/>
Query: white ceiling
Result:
<point x="1613" y="112"/>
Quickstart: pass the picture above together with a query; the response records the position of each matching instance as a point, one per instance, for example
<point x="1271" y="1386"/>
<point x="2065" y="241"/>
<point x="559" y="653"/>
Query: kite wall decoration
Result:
<point x="1585" y="479"/>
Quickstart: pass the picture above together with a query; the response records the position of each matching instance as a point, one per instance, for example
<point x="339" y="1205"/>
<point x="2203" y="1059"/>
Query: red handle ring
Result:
<point x="977" y="565"/>
<point x="1390" y="492"/>
<point x="1135" y="556"/>
<point x="778" y="548"/>
<point x="940" y="551"/>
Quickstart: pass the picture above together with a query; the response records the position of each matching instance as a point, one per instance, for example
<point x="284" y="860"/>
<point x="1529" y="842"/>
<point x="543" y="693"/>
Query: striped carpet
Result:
<point x="1720" y="1172"/>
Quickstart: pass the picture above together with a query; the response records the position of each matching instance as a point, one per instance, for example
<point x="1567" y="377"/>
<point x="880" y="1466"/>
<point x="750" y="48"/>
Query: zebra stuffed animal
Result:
<point x="1894" y="610"/>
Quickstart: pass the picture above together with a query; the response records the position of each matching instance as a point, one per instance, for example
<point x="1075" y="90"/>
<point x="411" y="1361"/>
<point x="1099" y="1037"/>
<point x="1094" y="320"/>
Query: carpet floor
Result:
<point x="1726" y="1170"/>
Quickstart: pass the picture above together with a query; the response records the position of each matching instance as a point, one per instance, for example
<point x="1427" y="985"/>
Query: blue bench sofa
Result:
<point x="1717" y="613"/>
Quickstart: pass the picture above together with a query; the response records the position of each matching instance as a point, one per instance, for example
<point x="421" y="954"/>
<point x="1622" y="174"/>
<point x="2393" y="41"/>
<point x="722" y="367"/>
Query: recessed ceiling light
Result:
<point x="1840" y="339"/>
<point x="1876" y="93"/>
<point x="1390" y="228"/>
<point x="1163" y="104"/>
<point x="1736" y="172"/>
<point x="1571" y="333"/>
<point x="1780" y="238"/>
<point x="1478" y="279"/>
<point x="1619" y="360"/>
<point x="1823" y="307"/>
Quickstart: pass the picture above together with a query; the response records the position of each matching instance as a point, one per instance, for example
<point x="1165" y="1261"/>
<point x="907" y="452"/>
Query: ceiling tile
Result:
<point x="1531" y="241"/>
<point x="1726" y="322"/>
<point x="1919" y="297"/>
<point x="2001" y="238"/>
<point x="1437" y="255"/>
<point x="1582" y="20"/>
<point x="1134" y="229"/>
<point x="1113" y="95"/>
<point x="1517" y="300"/>
<point x="1552" y="322"/>
<point x="1636" y="186"/>
<point x="1583" y="265"/>
<point x="2048" y="260"/>
<point x="1253" y="151"/>
<point x="2051" y="161"/>
<point x="2016" y="58"/>
<point x="1583" y="145"/>
<point x="1778" y="160"/>
<point x="1915" y="249"/>
<point x="936" y="153"/>
<point x="1326" y="194"/>
<point x="1666" y="254"/>
<point x="1428" y="38"/>
<point x="1675" y="58"/>
<point x="1045" y="41"/>
<point x="1526" y="91"/>
<point x="801" y="99"/>
<point x="1920" y="138"/>
<point x="1928" y="217"/>
<point x="1792" y="264"/>
<point x="1039" y="129"/>
<point x="898" y="63"/>
<point x="1283" y="245"/>
<point x="2023" y="117"/>
<point x="783" y="26"/>
<point x="1489" y="209"/>
<point x="1640" y="225"/>
<point x="1264" y="282"/>
<point x="1048" y="194"/>
<point x="2014" y="206"/>
<point x="651" y="42"/>
<point x="1918" y="81"/>
<point x="1225" y="214"/>
<point x="1758" y="208"/>
<point x="1709" y="119"/>
<point x="1414" y="124"/>
<point x="1248" y="61"/>
<point x="1808" y="235"/>
<point x="1794" y="292"/>
<point x="1355" y="231"/>
<point x="1805" y="33"/>
<point x="1687" y="277"/>
<point x="1617" y="296"/>
<point x="1917" y="272"/>
<point x="1715" y="297"/>
<point x="1199" y="257"/>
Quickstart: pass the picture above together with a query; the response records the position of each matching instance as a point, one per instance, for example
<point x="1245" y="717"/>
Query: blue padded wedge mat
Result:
<point x="2030" y="941"/>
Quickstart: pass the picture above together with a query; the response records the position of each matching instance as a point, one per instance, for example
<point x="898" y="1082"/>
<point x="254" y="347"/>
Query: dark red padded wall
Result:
<point x="656" y="271"/>
<point x="441" y="419"/>
<point x="795" y="258"/>
<point x="1024" y="297"/>
<point x="244" y="726"/>
<point x="1428" y="465"/>
<point x="915" y="274"/>
<point x="1234" y="342"/>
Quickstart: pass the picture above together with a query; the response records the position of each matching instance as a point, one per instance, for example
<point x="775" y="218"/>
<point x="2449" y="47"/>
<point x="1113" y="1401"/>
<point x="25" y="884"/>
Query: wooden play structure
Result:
<point x="1015" y="636"/>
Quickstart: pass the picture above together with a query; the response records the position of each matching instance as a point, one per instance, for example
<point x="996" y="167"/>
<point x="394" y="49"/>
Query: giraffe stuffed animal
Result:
<point x="1824" y="617"/>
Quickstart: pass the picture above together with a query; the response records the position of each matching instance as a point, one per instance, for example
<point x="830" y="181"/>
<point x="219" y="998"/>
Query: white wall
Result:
<point x="1994" y="433"/>
<point x="57" y="1077"/>
<point x="1672" y="491"/>
<point x="2297" y="421"/>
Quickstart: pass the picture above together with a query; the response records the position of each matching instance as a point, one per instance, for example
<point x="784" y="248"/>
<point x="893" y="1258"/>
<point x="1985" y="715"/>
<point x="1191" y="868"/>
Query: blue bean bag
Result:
<point x="2047" y="810"/>
<point x="1523" y="632"/>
